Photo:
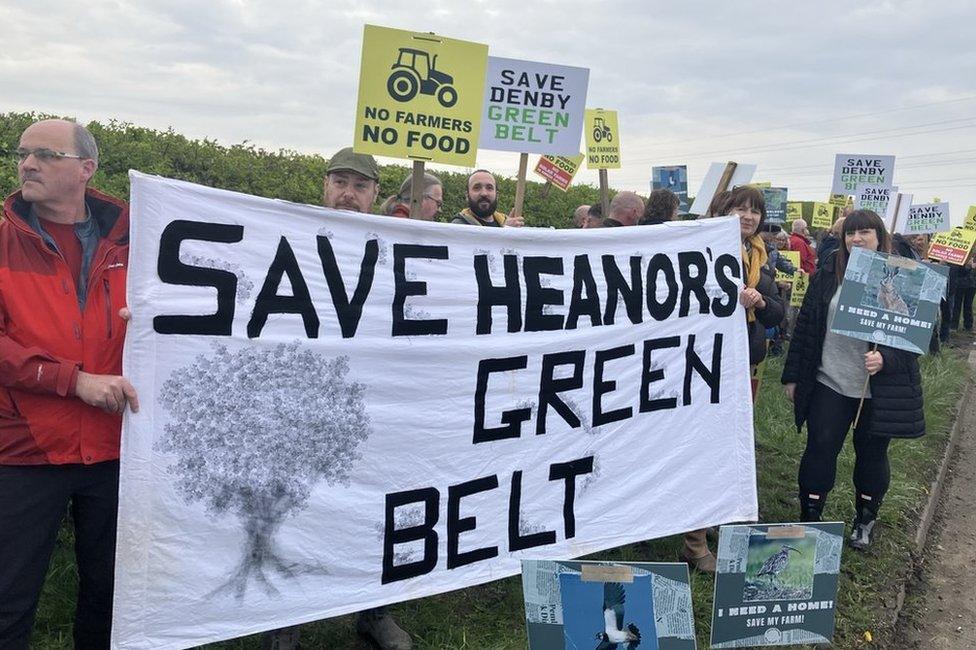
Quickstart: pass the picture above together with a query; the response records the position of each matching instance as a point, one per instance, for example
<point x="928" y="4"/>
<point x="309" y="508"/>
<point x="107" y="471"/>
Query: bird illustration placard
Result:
<point x="607" y="605"/>
<point x="776" y="584"/>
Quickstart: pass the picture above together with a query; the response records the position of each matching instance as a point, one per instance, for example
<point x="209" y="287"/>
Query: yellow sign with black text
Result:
<point x="420" y="96"/>
<point x="801" y="282"/>
<point x="794" y="211"/>
<point x="823" y="215"/>
<point x="602" y="139"/>
<point x="970" y="218"/>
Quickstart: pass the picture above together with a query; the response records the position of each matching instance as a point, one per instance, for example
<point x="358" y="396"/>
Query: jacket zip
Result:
<point x="108" y="308"/>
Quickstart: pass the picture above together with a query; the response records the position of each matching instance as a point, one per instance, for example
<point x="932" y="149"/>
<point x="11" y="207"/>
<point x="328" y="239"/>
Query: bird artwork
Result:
<point x="776" y="563"/>
<point x="614" y="636"/>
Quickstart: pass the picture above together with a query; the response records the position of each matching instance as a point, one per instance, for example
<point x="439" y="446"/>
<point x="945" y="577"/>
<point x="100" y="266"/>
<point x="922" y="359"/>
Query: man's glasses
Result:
<point x="436" y="201"/>
<point x="44" y="155"/>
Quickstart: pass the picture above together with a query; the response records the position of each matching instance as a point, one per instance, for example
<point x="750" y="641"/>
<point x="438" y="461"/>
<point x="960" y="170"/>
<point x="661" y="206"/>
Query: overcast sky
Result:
<point x="785" y="85"/>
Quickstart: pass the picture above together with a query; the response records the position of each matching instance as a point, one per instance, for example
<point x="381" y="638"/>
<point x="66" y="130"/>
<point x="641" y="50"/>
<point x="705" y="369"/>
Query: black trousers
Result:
<point x="945" y="313"/>
<point x="831" y="415"/>
<point x="33" y="502"/>
<point x="963" y="306"/>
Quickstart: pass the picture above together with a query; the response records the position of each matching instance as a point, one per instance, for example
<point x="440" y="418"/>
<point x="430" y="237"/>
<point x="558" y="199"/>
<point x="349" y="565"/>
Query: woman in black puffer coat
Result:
<point x="824" y="376"/>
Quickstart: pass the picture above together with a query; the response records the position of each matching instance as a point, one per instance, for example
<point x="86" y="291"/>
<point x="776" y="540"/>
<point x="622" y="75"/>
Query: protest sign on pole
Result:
<point x="823" y="215"/>
<point x="761" y="185"/>
<point x="342" y="411"/>
<point x="719" y="178"/>
<point x="851" y="170"/>
<point x="970" y="218"/>
<point x="874" y="198"/>
<point x="794" y="211"/>
<point x="420" y="96"/>
<point x="899" y="206"/>
<point x="602" y="139"/>
<point x="602" y="148"/>
<point x="925" y="218"/>
<point x="889" y="300"/>
<point x="794" y="258"/>
<point x="559" y="170"/>
<point x="839" y="201"/>
<point x="801" y="282"/>
<point x="533" y="107"/>
<point x="674" y="178"/>
<point x="775" y="198"/>
<point x="565" y="603"/>
<point x="953" y="246"/>
<point x="776" y="584"/>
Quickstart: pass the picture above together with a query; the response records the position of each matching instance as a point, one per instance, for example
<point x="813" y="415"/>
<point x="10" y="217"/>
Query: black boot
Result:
<point x="865" y="520"/>
<point x="811" y="506"/>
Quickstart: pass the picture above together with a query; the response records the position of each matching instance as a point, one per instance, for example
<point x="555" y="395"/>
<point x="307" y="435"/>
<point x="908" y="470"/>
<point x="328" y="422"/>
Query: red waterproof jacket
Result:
<point x="808" y="258"/>
<point x="45" y="339"/>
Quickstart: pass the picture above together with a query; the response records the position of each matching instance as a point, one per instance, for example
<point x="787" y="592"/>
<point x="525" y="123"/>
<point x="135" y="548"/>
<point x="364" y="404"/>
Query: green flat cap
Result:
<point x="348" y="160"/>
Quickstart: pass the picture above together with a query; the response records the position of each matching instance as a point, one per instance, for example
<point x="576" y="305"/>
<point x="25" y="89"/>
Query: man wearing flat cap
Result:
<point x="352" y="182"/>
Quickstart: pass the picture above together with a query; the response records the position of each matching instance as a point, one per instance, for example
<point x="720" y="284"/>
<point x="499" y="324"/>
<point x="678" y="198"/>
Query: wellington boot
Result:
<point x="811" y="506"/>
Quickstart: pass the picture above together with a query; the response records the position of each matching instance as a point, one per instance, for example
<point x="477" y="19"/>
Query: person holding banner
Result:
<point x="398" y="205"/>
<point x="580" y="215"/>
<point x="483" y="204"/>
<point x="825" y="376"/>
<point x="64" y="250"/>
<point x="764" y="308"/>
<point x="965" y="292"/>
<point x="351" y="183"/>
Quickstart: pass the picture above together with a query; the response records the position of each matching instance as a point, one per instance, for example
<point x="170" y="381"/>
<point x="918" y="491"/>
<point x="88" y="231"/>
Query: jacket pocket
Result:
<point x="8" y="408"/>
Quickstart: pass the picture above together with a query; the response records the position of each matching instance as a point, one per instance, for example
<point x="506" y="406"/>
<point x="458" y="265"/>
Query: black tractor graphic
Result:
<point x="415" y="71"/>
<point x="601" y="131"/>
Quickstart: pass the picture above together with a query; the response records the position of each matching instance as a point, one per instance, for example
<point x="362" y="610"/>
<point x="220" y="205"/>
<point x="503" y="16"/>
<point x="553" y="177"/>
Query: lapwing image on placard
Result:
<point x="614" y="635"/>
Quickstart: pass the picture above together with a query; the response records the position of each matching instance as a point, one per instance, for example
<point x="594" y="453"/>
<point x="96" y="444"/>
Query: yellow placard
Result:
<point x="823" y="215"/>
<point x="794" y="211"/>
<point x="840" y="200"/>
<point x="953" y="246"/>
<point x="761" y="184"/>
<point x="602" y="139"/>
<point x="794" y="257"/>
<point x="420" y="96"/>
<point x="801" y="282"/>
<point x="970" y="218"/>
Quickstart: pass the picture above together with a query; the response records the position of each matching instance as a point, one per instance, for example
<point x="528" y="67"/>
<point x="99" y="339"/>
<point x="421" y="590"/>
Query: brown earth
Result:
<point x="940" y="609"/>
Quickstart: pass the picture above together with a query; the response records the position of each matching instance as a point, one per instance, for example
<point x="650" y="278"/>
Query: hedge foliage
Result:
<point x="278" y="174"/>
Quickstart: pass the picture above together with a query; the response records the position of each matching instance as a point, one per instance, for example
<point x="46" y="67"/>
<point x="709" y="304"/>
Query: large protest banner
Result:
<point x="420" y="96"/>
<point x="342" y="410"/>
<point x="533" y="107"/>
<point x="851" y="170"/>
<point x="674" y="178"/>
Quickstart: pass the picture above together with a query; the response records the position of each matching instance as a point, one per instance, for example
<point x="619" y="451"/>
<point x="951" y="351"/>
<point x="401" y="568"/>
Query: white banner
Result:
<point x="740" y="176"/>
<point x="341" y="411"/>
<point x="533" y="107"/>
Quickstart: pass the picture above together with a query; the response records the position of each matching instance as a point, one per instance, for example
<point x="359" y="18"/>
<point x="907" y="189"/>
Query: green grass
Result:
<point x="491" y="616"/>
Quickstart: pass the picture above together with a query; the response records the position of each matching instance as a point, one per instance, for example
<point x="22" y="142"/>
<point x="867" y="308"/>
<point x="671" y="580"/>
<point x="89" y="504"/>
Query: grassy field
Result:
<point x="491" y="616"/>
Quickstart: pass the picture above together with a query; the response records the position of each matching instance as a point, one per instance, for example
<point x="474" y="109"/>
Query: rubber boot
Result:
<point x="811" y="506"/>
<point x="865" y="520"/>
<point x="379" y="626"/>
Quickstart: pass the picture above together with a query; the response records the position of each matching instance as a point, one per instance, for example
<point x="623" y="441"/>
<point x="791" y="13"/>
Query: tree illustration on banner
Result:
<point x="253" y="431"/>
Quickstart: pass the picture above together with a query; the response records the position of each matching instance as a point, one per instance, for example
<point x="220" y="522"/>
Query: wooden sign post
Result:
<point x="520" y="185"/>
<point x="417" y="189"/>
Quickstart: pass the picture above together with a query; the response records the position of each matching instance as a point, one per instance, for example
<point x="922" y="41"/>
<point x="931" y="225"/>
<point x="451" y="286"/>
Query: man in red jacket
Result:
<point x="800" y="241"/>
<point x="63" y="257"/>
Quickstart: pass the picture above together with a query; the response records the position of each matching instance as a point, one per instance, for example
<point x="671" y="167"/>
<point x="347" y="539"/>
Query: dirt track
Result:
<point x="940" y="611"/>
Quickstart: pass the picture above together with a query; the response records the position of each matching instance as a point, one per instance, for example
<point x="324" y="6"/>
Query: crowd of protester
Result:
<point x="54" y="225"/>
